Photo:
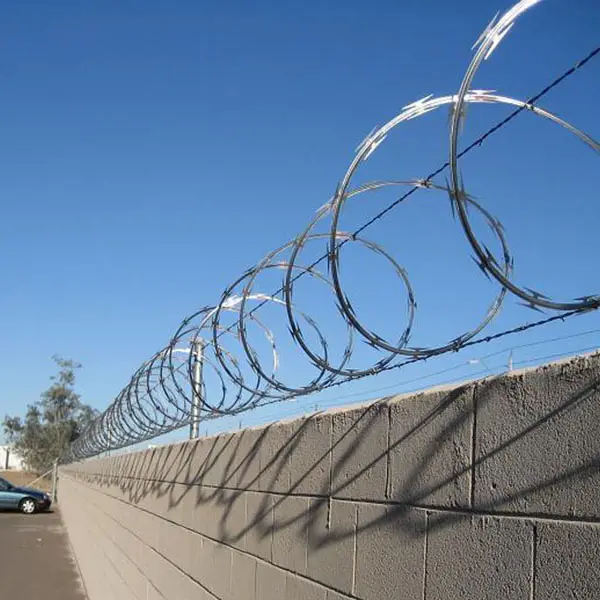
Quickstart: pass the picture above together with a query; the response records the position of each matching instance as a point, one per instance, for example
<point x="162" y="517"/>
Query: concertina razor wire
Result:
<point x="164" y="393"/>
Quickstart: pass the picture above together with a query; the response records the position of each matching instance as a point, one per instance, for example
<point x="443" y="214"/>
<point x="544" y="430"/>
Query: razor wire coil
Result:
<point x="162" y="393"/>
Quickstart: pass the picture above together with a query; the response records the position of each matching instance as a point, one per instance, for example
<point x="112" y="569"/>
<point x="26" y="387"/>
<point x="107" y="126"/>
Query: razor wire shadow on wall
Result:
<point x="168" y="391"/>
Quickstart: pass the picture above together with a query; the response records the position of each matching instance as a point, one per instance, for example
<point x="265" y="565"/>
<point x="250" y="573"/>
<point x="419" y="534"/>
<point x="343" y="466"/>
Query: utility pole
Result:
<point x="510" y="361"/>
<point x="54" y="479"/>
<point x="198" y="353"/>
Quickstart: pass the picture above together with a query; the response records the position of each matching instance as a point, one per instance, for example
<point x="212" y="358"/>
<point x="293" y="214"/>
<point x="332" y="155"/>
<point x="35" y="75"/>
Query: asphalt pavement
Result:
<point x="35" y="558"/>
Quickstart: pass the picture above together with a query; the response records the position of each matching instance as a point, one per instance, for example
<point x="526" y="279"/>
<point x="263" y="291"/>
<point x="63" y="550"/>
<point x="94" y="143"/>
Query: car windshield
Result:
<point x="4" y="485"/>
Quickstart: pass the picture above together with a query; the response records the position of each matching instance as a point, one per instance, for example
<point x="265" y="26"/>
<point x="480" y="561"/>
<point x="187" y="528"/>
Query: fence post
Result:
<point x="54" y="480"/>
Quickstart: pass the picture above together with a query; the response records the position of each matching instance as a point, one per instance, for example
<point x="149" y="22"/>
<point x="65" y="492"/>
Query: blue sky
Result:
<point x="152" y="151"/>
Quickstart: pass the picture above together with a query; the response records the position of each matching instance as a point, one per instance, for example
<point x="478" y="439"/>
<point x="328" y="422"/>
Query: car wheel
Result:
<point x="28" y="506"/>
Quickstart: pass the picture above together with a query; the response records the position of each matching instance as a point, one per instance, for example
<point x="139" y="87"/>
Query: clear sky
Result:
<point x="151" y="151"/>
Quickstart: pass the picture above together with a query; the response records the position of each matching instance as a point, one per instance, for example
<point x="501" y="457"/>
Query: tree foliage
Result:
<point x="52" y="422"/>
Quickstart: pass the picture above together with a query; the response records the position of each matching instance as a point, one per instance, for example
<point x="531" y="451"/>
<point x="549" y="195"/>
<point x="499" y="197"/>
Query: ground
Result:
<point x="25" y="478"/>
<point x="35" y="558"/>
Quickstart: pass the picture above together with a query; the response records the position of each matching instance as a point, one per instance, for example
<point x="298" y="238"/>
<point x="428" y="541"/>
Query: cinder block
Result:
<point x="477" y="558"/>
<point x="310" y="462"/>
<point x="148" y="496"/>
<point x="209" y="511"/>
<point x="153" y="594"/>
<point x="567" y="563"/>
<point x="120" y="513"/>
<point x="390" y="545"/>
<point x="176" y="495"/>
<point x="179" y="585"/>
<point x="232" y="527"/>
<point x="201" y="568"/>
<point x="270" y="582"/>
<point x="217" y="576"/>
<point x="243" y="577"/>
<point x="151" y="461"/>
<point x="246" y="468"/>
<point x="146" y="528"/>
<point x="99" y="499"/>
<point x="172" y="493"/>
<point x="196" y="565"/>
<point x="108" y="587"/>
<point x="332" y="595"/>
<point x="142" y="494"/>
<point x="302" y="589"/>
<point x="143" y="490"/>
<point x="187" y="507"/>
<point x="128" y="462"/>
<point x="177" y="545"/>
<point x="331" y="531"/>
<point x="186" y="474"/>
<point x="141" y="463"/>
<point x="277" y="445"/>
<point x="199" y="457"/>
<point x="176" y="462"/>
<point x="259" y="525"/>
<point x="538" y="440"/>
<point x="161" y="575"/>
<point x="125" y="490"/>
<point x="115" y="489"/>
<point x="117" y="465"/>
<point x="290" y="532"/>
<point x="156" y="501"/>
<point x="199" y="502"/>
<point x="183" y="472"/>
<point x="129" y="513"/>
<point x="219" y="460"/>
<point x="359" y="452"/>
<point x="227" y="463"/>
<point x="430" y="448"/>
<point x="160" y="457"/>
<point x="191" y="590"/>
<point x="130" y="546"/>
<point x="131" y="573"/>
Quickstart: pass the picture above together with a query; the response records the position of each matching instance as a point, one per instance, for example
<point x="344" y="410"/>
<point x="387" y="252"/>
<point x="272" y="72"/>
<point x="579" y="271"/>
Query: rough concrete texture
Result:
<point x="331" y="543"/>
<point x="390" y="546"/>
<point x="567" y="561"/>
<point x="482" y="490"/>
<point x="290" y="533"/>
<point x="545" y="456"/>
<point x="430" y="448"/>
<point x="477" y="558"/>
<point x="359" y="452"/>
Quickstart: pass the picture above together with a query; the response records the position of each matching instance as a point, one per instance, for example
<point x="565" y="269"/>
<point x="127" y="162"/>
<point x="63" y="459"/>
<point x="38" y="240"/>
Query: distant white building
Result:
<point x="9" y="461"/>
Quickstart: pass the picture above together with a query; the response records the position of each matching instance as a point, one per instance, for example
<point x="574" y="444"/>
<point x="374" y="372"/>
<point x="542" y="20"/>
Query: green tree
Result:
<point x="51" y="423"/>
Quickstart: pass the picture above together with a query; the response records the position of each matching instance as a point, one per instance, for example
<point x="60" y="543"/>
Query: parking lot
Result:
<point x="35" y="558"/>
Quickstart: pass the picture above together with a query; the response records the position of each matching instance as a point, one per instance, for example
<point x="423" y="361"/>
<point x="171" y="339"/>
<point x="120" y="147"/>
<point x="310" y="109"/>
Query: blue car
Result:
<point x="27" y="500"/>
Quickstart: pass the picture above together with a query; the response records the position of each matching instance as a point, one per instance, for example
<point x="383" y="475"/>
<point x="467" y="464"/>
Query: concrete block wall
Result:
<point x="487" y="490"/>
